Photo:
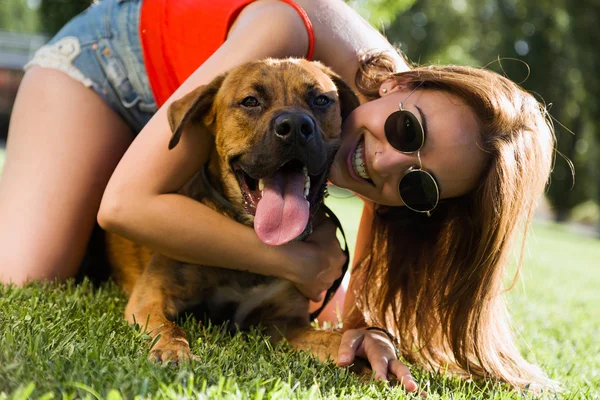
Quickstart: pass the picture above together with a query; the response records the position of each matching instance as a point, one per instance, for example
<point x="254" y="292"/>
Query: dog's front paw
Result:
<point x="171" y="351"/>
<point x="172" y="347"/>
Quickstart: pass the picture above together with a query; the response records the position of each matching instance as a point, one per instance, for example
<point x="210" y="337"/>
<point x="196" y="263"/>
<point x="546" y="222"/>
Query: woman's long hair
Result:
<point x="437" y="282"/>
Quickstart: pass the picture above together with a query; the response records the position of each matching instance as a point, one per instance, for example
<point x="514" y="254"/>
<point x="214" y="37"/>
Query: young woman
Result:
<point x="449" y="161"/>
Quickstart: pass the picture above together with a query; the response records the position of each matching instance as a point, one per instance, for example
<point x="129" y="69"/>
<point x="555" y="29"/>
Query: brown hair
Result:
<point x="437" y="282"/>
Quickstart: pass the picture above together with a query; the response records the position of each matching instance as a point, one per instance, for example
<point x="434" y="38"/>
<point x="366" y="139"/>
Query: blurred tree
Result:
<point x="380" y="13"/>
<point x="19" y="15"/>
<point x="56" y="13"/>
<point x="585" y="15"/>
<point x="557" y="43"/>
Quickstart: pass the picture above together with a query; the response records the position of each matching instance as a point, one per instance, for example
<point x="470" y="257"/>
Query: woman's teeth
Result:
<point x="358" y="161"/>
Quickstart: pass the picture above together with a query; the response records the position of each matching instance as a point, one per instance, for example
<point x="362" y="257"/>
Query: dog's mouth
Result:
<point x="282" y="202"/>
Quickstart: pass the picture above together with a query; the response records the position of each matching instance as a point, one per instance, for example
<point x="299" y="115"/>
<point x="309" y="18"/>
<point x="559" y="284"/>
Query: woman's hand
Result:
<point x="316" y="262"/>
<point x="377" y="348"/>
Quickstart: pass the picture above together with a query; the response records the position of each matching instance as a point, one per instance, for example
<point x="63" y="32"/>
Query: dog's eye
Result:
<point x="321" y="101"/>
<point x="250" y="102"/>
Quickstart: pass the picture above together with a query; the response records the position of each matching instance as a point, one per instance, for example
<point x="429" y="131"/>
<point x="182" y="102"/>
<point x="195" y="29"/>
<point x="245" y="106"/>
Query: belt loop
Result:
<point x="107" y="18"/>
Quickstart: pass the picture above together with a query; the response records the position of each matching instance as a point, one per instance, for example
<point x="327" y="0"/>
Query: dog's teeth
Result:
<point x="306" y="181"/>
<point x="261" y="185"/>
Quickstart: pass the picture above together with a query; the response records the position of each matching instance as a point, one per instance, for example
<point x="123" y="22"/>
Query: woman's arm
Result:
<point x="141" y="203"/>
<point x="357" y="341"/>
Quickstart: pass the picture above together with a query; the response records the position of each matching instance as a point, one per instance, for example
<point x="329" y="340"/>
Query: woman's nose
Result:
<point x="390" y="162"/>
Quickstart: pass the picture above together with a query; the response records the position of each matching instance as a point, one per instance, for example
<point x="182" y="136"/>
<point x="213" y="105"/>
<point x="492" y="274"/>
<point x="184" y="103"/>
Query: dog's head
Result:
<point x="277" y="127"/>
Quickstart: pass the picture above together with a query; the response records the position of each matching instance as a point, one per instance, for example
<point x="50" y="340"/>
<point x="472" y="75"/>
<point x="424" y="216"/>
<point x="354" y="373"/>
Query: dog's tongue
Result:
<point x="282" y="213"/>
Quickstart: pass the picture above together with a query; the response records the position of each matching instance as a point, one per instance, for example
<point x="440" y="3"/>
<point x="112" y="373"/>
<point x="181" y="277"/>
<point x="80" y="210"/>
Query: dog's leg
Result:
<point x="324" y="346"/>
<point x="154" y="303"/>
<point x="146" y="307"/>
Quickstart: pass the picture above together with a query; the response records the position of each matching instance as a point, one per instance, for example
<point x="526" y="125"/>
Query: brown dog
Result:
<point x="276" y="127"/>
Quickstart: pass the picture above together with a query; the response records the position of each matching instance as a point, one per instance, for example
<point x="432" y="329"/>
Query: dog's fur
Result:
<point x="247" y="146"/>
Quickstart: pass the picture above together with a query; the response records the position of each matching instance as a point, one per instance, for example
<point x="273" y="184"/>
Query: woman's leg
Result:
<point x="64" y="142"/>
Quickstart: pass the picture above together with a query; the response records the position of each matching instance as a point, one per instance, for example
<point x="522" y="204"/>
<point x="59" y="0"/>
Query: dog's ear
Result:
<point x="348" y="99"/>
<point x="191" y="107"/>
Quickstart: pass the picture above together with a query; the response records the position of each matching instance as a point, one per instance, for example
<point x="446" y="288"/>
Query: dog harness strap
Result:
<point x="309" y="28"/>
<point x="331" y="291"/>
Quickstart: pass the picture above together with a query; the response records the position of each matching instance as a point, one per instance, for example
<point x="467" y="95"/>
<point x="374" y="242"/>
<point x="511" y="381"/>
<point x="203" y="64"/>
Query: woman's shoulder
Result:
<point x="284" y="24"/>
<point x="341" y="35"/>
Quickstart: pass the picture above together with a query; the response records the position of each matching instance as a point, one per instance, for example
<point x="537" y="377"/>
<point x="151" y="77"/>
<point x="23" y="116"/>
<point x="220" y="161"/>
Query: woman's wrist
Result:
<point x="384" y="331"/>
<point x="393" y="340"/>
<point x="275" y="261"/>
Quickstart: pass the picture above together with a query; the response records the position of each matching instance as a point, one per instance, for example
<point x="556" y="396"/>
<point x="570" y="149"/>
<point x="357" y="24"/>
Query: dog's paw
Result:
<point x="174" y="352"/>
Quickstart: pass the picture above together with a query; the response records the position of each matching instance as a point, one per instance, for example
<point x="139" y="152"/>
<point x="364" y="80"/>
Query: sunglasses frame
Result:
<point x="437" y="189"/>
<point x="412" y="169"/>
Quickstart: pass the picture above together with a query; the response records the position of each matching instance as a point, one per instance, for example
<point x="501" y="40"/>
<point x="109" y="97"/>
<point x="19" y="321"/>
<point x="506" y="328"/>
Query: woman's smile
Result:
<point x="357" y="162"/>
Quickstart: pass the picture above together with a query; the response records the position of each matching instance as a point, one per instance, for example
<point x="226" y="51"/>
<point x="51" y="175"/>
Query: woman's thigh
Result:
<point x="64" y="142"/>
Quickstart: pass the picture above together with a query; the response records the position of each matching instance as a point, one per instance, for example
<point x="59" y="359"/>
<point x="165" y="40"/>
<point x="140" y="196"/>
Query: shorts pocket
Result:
<point x="116" y="74"/>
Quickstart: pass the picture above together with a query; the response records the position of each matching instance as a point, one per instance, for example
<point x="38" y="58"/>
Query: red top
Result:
<point x="179" y="35"/>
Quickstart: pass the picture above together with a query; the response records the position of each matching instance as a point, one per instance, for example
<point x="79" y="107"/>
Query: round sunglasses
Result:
<point x="418" y="189"/>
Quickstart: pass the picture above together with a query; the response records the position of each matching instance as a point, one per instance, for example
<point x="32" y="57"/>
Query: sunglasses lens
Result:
<point x="403" y="131"/>
<point x="419" y="191"/>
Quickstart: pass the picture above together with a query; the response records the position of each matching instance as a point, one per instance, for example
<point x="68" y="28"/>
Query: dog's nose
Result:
<point x="289" y="125"/>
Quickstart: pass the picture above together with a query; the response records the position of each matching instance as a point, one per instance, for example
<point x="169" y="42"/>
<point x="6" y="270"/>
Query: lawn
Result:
<point x="69" y="341"/>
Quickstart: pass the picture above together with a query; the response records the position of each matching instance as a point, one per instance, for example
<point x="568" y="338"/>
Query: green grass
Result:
<point x="70" y="341"/>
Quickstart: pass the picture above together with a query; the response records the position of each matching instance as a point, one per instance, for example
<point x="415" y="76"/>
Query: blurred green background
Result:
<point x="549" y="46"/>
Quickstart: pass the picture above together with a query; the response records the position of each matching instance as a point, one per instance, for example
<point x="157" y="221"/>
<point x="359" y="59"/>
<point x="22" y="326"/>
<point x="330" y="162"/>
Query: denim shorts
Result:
<point x="101" y="48"/>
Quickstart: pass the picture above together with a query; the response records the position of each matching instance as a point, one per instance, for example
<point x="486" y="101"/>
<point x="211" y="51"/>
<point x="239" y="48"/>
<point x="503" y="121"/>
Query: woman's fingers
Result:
<point x="318" y="261"/>
<point x="383" y="361"/>
<point x="351" y="341"/>
<point x="310" y="292"/>
<point x="376" y="347"/>
<point x="331" y="254"/>
<point x="402" y="373"/>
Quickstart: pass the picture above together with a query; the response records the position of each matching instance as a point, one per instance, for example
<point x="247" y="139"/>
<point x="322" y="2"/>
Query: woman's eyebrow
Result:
<point x="423" y="118"/>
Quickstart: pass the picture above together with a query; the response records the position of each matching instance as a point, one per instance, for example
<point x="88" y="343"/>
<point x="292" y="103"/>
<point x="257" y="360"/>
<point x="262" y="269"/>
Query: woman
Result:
<point x="440" y="205"/>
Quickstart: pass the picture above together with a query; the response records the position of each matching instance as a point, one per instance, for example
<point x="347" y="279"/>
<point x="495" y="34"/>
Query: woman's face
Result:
<point x="451" y="152"/>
